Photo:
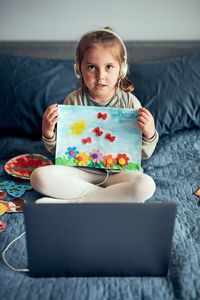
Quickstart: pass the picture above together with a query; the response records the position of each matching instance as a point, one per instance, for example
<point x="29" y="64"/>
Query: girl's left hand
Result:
<point x="146" y="123"/>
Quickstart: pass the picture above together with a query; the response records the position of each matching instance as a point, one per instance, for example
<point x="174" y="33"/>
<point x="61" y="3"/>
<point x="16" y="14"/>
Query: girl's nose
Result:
<point x="100" y="74"/>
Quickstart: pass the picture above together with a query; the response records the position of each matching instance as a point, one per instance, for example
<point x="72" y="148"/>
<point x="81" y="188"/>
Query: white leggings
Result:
<point x="73" y="185"/>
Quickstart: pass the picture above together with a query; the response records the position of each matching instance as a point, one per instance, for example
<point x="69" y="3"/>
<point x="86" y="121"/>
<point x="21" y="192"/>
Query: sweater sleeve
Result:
<point x="148" y="146"/>
<point x="50" y="144"/>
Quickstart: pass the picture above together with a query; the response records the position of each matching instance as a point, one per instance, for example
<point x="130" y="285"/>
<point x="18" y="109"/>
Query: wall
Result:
<point x="69" y="19"/>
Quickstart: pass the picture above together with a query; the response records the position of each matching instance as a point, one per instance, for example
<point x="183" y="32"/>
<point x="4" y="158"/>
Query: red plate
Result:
<point x="23" y="165"/>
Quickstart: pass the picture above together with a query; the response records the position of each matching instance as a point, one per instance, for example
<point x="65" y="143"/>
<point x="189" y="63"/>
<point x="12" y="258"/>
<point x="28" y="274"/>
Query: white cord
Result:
<point x="107" y="174"/>
<point x="6" y="249"/>
<point x="4" y="255"/>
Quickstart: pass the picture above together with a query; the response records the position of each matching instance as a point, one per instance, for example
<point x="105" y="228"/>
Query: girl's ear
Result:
<point x="124" y="70"/>
<point x="77" y="70"/>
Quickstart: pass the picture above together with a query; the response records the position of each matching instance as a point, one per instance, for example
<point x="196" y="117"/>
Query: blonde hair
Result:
<point x="106" y="39"/>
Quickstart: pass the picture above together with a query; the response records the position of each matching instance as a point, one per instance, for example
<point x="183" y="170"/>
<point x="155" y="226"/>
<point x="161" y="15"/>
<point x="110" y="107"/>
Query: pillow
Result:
<point x="170" y="90"/>
<point x="27" y="87"/>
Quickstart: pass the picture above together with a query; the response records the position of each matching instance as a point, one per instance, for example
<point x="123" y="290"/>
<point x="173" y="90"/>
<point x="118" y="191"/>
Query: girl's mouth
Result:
<point x="100" y="85"/>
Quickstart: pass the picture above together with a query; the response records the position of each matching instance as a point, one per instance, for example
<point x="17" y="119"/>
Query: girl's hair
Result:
<point x="106" y="39"/>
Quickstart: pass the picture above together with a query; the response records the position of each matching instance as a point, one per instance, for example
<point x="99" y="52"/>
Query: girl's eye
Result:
<point x="91" y="67"/>
<point x="109" y="67"/>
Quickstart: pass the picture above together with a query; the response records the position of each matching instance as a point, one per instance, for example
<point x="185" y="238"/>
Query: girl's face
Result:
<point x="100" y="71"/>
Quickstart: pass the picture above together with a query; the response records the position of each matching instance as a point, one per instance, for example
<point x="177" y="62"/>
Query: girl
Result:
<point x="101" y="64"/>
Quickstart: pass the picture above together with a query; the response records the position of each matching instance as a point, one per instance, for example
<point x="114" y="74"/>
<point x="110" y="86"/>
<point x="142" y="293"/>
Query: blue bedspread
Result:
<point x="175" y="166"/>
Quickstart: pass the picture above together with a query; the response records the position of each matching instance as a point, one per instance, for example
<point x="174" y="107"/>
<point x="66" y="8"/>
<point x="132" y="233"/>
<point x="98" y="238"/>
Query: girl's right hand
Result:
<point x="50" y="118"/>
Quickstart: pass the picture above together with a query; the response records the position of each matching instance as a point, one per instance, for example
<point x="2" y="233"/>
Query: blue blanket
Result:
<point x="175" y="166"/>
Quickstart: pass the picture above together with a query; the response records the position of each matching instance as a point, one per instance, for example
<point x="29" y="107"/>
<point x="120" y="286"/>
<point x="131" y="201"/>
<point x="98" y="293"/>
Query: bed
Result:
<point x="166" y="76"/>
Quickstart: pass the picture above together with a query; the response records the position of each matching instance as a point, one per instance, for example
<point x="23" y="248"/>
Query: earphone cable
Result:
<point x="107" y="174"/>
<point x="4" y="255"/>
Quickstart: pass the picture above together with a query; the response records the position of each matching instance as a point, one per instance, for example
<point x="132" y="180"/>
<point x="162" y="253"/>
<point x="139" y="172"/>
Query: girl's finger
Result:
<point x="145" y="110"/>
<point x="54" y="121"/>
<point x="143" y="116"/>
<point x="142" y="119"/>
<point x="52" y="112"/>
<point x="52" y="116"/>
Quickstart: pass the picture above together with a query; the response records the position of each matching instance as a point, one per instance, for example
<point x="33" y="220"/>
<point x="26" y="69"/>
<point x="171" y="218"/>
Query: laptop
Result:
<point x="93" y="239"/>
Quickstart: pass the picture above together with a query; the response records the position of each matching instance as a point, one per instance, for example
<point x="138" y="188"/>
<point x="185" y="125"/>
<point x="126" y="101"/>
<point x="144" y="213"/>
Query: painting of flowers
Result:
<point x="98" y="137"/>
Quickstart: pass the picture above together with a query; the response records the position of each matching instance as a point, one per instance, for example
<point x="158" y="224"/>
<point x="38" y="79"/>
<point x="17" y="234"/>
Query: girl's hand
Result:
<point x="146" y="123"/>
<point x="50" y="118"/>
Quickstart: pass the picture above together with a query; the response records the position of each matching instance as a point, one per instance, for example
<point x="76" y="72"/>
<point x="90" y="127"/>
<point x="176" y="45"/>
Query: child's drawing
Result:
<point x="98" y="137"/>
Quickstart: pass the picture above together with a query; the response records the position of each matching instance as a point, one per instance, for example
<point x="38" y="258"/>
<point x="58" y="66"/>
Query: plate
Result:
<point x="22" y="166"/>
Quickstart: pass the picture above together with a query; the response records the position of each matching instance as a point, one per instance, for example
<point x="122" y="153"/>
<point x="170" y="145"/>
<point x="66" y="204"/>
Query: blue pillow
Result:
<point x="27" y="87"/>
<point x="170" y="90"/>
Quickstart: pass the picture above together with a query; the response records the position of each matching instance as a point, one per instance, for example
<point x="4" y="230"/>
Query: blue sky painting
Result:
<point x="98" y="137"/>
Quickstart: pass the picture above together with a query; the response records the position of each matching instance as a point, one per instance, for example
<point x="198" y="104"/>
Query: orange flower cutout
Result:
<point x="109" y="161"/>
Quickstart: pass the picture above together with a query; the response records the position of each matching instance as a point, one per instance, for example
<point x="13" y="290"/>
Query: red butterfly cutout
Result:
<point x="110" y="137"/>
<point x="87" y="140"/>
<point x="103" y="116"/>
<point x="98" y="131"/>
